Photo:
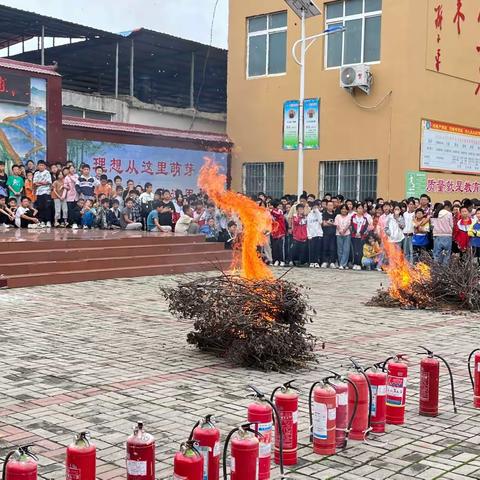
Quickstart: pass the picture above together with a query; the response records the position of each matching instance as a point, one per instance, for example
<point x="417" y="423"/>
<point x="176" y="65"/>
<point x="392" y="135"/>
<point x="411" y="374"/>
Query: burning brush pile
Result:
<point x="252" y="323"/>
<point x="248" y="317"/>
<point x="429" y="285"/>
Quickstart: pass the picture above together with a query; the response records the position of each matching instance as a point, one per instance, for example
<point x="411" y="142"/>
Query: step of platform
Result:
<point x="65" y="257"/>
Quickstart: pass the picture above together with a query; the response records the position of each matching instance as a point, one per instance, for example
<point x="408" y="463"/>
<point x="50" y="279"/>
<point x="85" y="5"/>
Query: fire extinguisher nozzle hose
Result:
<point x="452" y="385"/>
<point x="470" y="366"/>
<point x="310" y="413"/>
<point x="355" y="406"/>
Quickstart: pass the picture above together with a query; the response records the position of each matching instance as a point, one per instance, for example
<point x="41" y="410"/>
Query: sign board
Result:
<point x="291" y="111"/>
<point x="450" y="148"/>
<point x="311" y="123"/>
<point x="167" y="168"/>
<point x="14" y="88"/>
<point x="415" y="184"/>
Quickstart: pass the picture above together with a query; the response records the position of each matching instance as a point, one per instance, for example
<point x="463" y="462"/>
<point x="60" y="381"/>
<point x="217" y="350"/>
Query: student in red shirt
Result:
<point x="460" y="229"/>
<point x="279" y="231"/>
<point x="299" y="246"/>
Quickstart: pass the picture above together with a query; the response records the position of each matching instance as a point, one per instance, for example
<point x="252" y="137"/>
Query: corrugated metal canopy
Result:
<point x="162" y="68"/>
<point x="17" y="25"/>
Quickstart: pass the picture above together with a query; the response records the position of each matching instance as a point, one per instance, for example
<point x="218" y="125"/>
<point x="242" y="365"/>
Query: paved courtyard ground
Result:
<point x="102" y="355"/>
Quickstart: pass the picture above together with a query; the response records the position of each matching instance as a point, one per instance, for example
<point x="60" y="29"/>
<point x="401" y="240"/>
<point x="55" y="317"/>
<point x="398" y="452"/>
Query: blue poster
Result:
<point x="167" y="168"/>
<point x="311" y="123"/>
<point x="291" y="111"/>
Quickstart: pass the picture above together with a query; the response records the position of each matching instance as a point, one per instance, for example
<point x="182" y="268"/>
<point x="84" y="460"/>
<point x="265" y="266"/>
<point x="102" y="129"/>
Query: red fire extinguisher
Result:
<point x="475" y="377"/>
<point x="21" y="464"/>
<point x="140" y="455"/>
<point x="207" y="436"/>
<point x="361" y="424"/>
<point x="378" y="407"/>
<point x="397" y="372"/>
<point x="260" y="414"/>
<point x="244" y="454"/>
<point x="343" y="423"/>
<point x="429" y="383"/>
<point x="322" y="409"/>
<point x="81" y="459"/>
<point x="285" y="399"/>
<point x="188" y="462"/>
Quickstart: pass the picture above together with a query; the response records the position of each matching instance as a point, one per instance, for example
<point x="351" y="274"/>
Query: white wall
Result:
<point x="129" y="110"/>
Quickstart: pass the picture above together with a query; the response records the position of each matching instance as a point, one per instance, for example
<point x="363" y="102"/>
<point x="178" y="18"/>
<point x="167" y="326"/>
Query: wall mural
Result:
<point x="23" y="132"/>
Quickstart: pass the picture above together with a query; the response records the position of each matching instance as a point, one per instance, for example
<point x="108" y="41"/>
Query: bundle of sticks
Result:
<point x="253" y="323"/>
<point x="454" y="286"/>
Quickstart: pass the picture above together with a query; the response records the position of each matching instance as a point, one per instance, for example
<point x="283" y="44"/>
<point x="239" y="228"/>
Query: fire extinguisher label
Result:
<point x="342" y="399"/>
<point x="332" y="413"/>
<point x="73" y="472"/>
<point x="478" y="367"/>
<point x="204" y="451"/>
<point x="287" y="428"/>
<point x="381" y="390"/>
<point x="395" y="390"/>
<point x="295" y="416"/>
<point x="425" y="386"/>
<point x="373" y="408"/>
<point x="135" y="467"/>
<point x="266" y="442"/>
<point x="216" y="449"/>
<point x="320" y="420"/>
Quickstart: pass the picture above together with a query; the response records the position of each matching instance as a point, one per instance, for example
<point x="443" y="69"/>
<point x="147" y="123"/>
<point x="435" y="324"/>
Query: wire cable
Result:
<point x="204" y="73"/>
<point x="373" y="107"/>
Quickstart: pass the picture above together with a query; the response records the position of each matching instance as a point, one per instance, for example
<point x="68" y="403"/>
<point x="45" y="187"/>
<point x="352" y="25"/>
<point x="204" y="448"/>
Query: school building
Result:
<point x="418" y="129"/>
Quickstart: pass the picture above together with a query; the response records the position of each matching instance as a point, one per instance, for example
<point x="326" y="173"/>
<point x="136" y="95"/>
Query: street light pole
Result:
<point x="305" y="9"/>
<point x="301" y="110"/>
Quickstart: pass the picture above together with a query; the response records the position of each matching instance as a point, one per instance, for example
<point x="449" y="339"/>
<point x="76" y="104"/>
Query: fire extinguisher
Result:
<point x="397" y="372"/>
<point x="140" y="455"/>
<point x="285" y="398"/>
<point x="81" y="458"/>
<point x="343" y="425"/>
<point x="429" y="383"/>
<point x="475" y="377"/>
<point x="244" y="454"/>
<point x="20" y="464"/>
<point x="362" y="419"/>
<point x="322" y="409"/>
<point x="378" y="407"/>
<point x="188" y="462"/>
<point x="260" y="414"/>
<point x="207" y="436"/>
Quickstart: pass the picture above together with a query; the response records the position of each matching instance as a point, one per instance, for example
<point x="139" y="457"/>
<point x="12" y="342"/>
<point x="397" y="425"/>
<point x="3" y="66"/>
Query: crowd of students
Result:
<point x="41" y="196"/>
<point x="334" y="232"/>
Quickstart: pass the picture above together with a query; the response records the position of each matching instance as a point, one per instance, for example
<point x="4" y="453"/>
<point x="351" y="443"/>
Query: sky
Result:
<point x="189" y="19"/>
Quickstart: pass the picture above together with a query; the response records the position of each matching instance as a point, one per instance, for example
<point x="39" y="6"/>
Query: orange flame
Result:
<point x="404" y="277"/>
<point x="255" y="220"/>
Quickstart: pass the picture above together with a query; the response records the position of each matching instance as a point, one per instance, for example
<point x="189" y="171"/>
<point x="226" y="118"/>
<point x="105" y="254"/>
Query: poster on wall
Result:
<point x="23" y="125"/>
<point x="415" y="184"/>
<point x="450" y="148"/>
<point x="311" y="115"/>
<point x="167" y="168"/>
<point x="291" y="111"/>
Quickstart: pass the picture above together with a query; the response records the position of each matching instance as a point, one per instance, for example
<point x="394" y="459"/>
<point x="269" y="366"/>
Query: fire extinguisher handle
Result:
<point x="427" y="351"/>
<point x="25" y="449"/>
<point x="257" y="392"/>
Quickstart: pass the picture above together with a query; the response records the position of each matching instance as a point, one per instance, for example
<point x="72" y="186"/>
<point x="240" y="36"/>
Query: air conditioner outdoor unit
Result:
<point x="356" y="76"/>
